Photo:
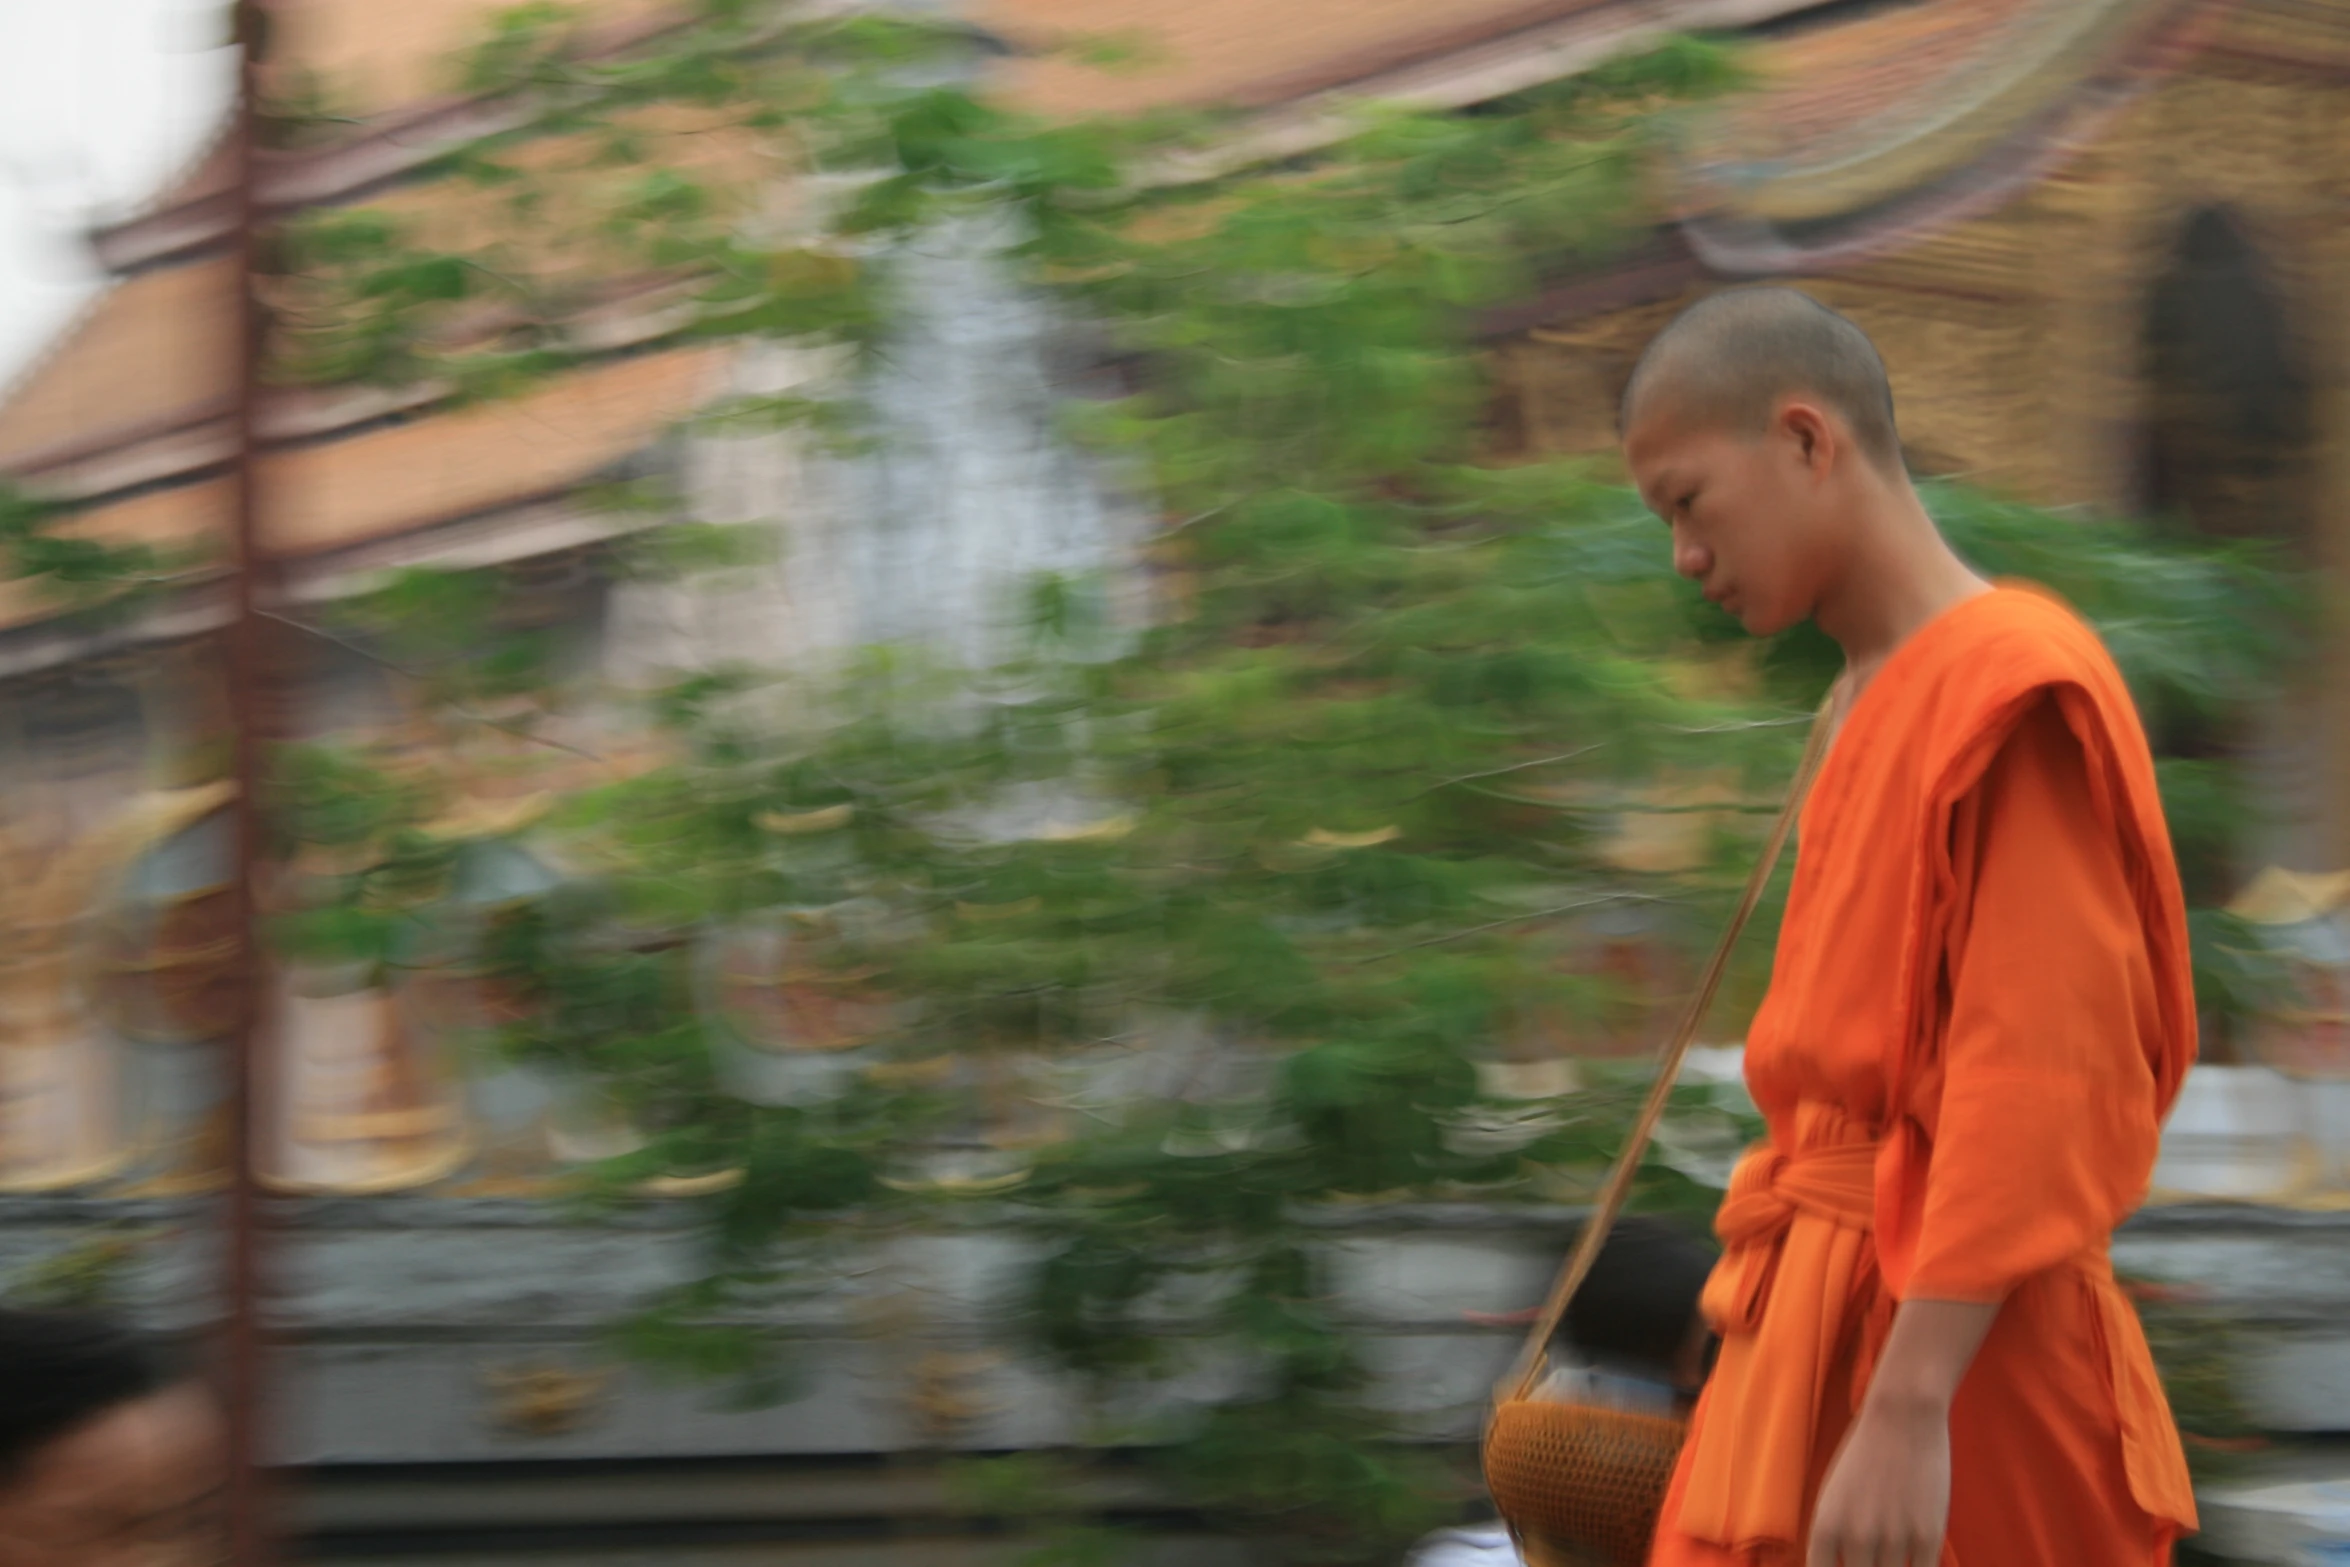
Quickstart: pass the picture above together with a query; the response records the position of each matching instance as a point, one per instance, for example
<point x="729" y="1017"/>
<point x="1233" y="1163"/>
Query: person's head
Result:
<point x="1639" y="1304"/>
<point x="1759" y="425"/>
<point x="108" y="1456"/>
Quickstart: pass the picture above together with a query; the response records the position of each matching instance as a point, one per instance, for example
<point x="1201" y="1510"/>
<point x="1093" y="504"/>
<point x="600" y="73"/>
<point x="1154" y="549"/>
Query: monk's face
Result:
<point x="1753" y="522"/>
<point x="136" y="1486"/>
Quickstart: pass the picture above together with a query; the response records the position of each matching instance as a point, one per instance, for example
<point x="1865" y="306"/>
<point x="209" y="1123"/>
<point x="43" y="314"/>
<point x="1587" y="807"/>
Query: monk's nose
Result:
<point x="1690" y="558"/>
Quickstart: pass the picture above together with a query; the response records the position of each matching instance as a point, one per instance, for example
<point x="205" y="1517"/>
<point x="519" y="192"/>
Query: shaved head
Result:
<point x="1729" y="360"/>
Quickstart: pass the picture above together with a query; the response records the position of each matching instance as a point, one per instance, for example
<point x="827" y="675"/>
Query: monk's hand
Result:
<point x="1886" y="1502"/>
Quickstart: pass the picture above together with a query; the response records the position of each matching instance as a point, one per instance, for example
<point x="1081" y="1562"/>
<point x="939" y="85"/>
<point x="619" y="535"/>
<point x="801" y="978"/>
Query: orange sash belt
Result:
<point x="1795" y="1232"/>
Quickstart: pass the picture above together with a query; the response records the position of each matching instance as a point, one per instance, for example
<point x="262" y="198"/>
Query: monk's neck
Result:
<point x="1899" y="576"/>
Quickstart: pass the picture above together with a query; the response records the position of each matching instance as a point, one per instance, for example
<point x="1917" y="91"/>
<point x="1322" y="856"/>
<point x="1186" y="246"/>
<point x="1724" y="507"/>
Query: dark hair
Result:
<point x="60" y="1369"/>
<point x="1730" y="357"/>
<point x="1642" y="1294"/>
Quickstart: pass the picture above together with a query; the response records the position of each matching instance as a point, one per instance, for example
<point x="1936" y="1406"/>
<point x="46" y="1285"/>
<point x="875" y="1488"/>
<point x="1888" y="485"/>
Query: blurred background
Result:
<point x="971" y="796"/>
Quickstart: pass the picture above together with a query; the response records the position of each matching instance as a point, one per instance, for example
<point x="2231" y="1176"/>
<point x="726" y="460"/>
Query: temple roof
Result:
<point x="1865" y="131"/>
<point x="384" y="92"/>
<point x="472" y="459"/>
<point x="1235" y="53"/>
<point x="125" y="412"/>
<point x="150" y="354"/>
<point x="135" y="391"/>
<point x="373" y="58"/>
<point x="1867" y="126"/>
<point x="417" y="475"/>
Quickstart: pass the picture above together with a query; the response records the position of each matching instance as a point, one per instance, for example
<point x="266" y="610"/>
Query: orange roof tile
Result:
<point x="373" y="57"/>
<point x="573" y="190"/>
<point x="1194" y="53"/>
<point x="154" y="352"/>
<point x="364" y="487"/>
<point x="434" y="470"/>
<point x="168" y="519"/>
<point x="150" y="353"/>
<point x="393" y="71"/>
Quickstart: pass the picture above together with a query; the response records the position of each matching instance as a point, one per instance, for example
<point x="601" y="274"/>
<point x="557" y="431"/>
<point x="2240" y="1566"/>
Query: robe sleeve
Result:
<point x="2047" y="1127"/>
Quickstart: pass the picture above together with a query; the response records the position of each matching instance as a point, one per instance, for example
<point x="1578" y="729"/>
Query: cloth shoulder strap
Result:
<point x="1618" y="1186"/>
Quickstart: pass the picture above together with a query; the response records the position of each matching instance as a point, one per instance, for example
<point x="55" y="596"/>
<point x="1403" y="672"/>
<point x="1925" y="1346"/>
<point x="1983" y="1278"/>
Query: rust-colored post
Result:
<point x="248" y="1520"/>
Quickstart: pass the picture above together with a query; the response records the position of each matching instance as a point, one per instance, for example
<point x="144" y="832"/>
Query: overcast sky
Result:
<point x="101" y="101"/>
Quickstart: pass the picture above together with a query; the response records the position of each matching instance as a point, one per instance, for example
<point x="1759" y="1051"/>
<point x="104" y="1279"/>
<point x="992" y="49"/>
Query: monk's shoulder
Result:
<point x="2017" y="637"/>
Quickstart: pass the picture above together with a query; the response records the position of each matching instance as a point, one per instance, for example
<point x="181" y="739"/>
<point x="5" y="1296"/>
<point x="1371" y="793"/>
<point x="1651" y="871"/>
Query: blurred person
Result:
<point x="1636" y="1314"/>
<point x="1980" y="1011"/>
<point x="1633" y="1338"/>
<point x="109" y="1455"/>
<point x="1633" y="1332"/>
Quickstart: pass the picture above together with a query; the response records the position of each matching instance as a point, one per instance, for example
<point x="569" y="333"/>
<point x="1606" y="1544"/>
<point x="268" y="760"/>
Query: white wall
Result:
<point x="931" y="538"/>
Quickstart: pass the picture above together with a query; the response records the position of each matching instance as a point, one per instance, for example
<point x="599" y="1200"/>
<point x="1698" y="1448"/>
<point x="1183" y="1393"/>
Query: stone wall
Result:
<point x="435" y="1329"/>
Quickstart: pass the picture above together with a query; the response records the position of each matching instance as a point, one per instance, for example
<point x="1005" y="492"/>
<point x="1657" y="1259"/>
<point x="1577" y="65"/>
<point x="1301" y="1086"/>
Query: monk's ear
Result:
<point x="1813" y="434"/>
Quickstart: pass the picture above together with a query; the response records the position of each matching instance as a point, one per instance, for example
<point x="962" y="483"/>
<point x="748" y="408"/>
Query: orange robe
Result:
<point x="1980" y="1011"/>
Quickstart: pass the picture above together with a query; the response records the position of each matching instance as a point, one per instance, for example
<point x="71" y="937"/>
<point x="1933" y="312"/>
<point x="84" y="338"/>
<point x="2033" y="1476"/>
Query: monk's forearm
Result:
<point x="1926" y="1355"/>
<point x="1886" y="1498"/>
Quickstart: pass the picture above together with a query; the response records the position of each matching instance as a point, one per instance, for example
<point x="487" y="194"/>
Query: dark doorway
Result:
<point x="2228" y="454"/>
<point x="2230" y="421"/>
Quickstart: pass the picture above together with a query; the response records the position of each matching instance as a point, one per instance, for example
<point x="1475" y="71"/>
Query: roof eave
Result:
<point x="1524" y="56"/>
<point x="1719" y="245"/>
<point x="1739" y="245"/>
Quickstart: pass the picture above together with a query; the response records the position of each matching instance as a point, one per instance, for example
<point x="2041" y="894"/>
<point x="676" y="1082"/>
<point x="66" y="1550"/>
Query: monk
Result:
<point x="1979" y="1013"/>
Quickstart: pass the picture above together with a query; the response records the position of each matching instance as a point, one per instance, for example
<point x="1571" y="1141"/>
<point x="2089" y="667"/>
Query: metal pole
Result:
<point x="248" y="1524"/>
